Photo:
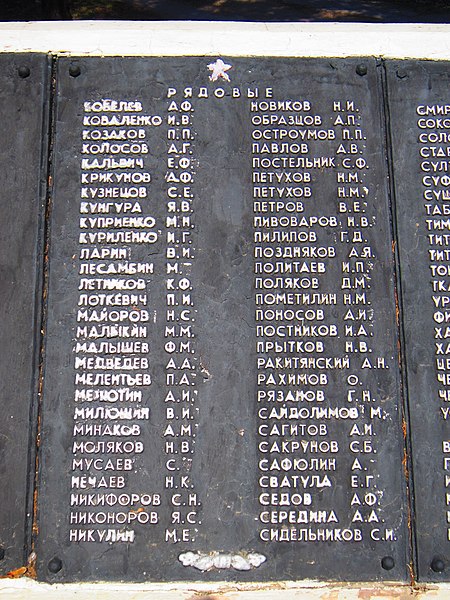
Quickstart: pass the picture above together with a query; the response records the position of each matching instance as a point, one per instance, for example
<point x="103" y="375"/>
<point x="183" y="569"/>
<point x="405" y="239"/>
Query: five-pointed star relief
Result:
<point x="219" y="69"/>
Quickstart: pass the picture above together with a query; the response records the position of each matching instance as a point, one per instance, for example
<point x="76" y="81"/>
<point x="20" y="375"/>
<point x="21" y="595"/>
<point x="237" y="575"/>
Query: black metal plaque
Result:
<point x="419" y="105"/>
<point x="23" y="104"/>
<point x="221" y="399"/>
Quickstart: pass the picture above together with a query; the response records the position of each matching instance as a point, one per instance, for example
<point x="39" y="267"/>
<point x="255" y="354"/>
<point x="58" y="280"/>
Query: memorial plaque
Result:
<point x="419" y="105"/>
<point x="221" y="398"/>
<point x="23" y="106"/>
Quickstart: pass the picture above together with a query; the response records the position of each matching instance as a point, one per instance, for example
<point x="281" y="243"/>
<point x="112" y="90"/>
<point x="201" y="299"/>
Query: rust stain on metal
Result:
<point x="397" y="309"/>
<point x="404" y="428"/>
<point x="28" y="571"/>
<point x="137" y="510"/>
<point x="35" y="527"/>
<point x="16" y="573"/>
<point x="405" y="465"/>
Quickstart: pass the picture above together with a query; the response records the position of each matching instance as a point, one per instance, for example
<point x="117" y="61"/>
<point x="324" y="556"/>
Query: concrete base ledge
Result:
<point x="25" y="589"/>
<point x="181" y="38"/>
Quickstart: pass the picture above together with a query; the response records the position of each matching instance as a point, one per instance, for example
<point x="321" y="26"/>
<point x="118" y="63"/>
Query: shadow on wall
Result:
<point x="372" y="11"/>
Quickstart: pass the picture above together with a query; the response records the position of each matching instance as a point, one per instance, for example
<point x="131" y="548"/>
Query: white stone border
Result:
<point x="182" y="38"/>
<point x="25" y="589"/>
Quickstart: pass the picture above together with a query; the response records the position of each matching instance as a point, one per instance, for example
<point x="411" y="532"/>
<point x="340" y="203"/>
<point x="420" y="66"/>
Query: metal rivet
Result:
<point x="401" y="74"/>
<point x="361" y="70"/>
<point x="55" y="565"/>
<point x="24" y="72"/>
<point x="388" y="563"/>
<point x="2" y="553"/>
<point x="74" y="71"/>
<point x="437" y="565"/>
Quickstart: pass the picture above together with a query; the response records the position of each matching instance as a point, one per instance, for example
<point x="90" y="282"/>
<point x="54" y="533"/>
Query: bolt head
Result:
<point x="23" y="72"/>
<point x="437" y="565"/>
<point x="388" y="563"/>
<point x="55" y="565"/>
<point x="361" y="70"/>
<point x="74" y="71"/>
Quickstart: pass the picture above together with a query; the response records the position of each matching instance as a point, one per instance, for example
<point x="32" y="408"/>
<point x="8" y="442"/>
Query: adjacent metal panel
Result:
<point x="221" y="399"/>
<point x="419" y="108"/>
<point x="23" y="102"/>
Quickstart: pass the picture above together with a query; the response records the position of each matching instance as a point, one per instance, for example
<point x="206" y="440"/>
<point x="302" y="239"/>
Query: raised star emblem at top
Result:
<point x="219" y="69"/>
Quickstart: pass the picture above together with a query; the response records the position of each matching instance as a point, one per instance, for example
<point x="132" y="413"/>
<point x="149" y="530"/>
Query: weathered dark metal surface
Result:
<point x="221" y="390"/>
<point x="23" y="100"/>
<point x="420" y="124"/>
